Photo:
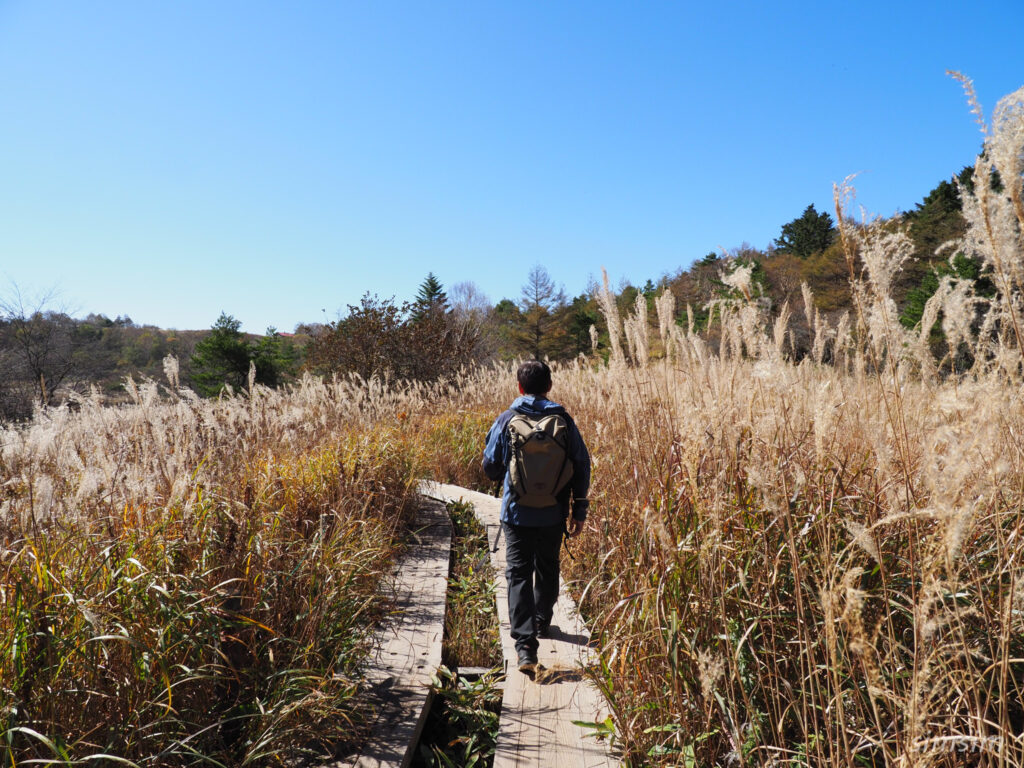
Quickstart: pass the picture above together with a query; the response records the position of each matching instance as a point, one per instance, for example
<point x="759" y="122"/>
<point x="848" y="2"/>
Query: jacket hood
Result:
<point x="536" y="405"/>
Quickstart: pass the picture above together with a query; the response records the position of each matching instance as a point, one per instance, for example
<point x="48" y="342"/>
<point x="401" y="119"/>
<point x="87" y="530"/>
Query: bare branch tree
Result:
<point x="39" y="339"/>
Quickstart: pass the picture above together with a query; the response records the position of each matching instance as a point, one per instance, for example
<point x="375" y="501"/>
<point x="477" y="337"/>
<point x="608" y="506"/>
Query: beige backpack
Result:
<point x="540" y="465"/>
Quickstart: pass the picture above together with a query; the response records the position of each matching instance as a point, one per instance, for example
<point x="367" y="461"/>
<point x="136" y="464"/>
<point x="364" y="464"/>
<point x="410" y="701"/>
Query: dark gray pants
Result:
<point x="531" y="556"/>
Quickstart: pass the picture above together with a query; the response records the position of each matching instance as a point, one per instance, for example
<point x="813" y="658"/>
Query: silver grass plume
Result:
<point x="635" y="327"/>
<point x="995" y="219"/>
<point x="665" y="306"/>
<point x="171" y="371"/>
<point x="606" y="303"/>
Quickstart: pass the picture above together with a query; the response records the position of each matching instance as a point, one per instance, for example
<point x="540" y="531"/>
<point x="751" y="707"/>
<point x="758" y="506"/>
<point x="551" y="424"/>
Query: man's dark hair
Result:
<point x="534" y="377"/>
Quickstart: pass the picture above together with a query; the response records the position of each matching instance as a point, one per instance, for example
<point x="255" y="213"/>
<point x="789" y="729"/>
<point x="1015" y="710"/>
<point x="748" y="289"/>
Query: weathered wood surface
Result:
<point x="409" y="645"/>
<point x="536" y="727"/>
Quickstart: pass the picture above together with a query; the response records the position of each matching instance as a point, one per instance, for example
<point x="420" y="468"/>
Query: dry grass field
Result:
<point x="191" y="581"/>
<point x="809" y="562"/>
<point x="815" y="561"/>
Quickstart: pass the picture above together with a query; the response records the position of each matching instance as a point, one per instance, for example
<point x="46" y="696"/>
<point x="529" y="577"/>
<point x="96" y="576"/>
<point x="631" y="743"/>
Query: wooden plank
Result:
<point x="536" y="726"/>
<point x="409" y="646"/>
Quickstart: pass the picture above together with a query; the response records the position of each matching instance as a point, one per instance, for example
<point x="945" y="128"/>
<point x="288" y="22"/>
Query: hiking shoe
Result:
<point x="543" y="628"/>
<point x="527" y="662"/>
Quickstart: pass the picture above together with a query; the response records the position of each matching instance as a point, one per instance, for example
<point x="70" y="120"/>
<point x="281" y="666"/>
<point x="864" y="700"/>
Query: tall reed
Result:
<point x="806" y="564"/>
<point x="814" y="561"/>
<point x="188" y="580"/>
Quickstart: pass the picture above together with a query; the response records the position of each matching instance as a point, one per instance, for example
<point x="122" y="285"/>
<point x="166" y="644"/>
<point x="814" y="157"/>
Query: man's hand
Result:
<point x="575" y="527"/>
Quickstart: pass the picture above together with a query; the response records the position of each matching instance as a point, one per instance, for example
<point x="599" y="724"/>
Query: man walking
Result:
<point x="536" y="449"/>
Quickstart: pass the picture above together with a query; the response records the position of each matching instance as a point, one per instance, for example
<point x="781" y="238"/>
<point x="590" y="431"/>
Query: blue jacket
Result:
<point x="498" y="454"/>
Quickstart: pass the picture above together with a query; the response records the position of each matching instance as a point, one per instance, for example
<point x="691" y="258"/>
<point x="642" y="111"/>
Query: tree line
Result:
<point x="45" y="354"/>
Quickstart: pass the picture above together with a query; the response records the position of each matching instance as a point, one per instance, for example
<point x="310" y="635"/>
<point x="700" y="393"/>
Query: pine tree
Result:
<point x="430" y="298"/>
<point x="222" y="357"/>
<point x="937" y="219"/>
<point x="812" y="233"/>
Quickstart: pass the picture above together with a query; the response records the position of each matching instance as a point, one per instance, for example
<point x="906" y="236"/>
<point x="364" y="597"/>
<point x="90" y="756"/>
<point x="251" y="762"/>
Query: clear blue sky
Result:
<point x="272" y="160"/>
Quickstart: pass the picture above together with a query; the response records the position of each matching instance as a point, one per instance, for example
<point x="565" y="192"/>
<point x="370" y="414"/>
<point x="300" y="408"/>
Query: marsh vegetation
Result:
<point x="803" y="546"/>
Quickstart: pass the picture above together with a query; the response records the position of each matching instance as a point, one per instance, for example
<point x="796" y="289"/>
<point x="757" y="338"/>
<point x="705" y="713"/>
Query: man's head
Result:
<point x="534" y="378"/>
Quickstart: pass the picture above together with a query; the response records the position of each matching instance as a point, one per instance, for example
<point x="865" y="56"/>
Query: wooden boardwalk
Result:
<point x="536" y="727"/>
<point x="409" y="645"/>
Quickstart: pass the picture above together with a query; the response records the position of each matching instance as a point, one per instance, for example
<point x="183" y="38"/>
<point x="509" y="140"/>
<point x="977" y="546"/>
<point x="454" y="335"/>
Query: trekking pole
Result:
<point x="565" y="539"/>
<point x="497" y="537"/>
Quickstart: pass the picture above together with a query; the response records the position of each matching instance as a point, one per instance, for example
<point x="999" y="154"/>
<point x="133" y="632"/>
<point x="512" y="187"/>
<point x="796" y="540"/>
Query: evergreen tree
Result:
<point x="937" y="219"/>
<point x="505" y="323"/>
<point x="962" y="268"/>
<point x="221" y="358"/>
<point x="430" y="298"/>
<point x="224" y="356"/>
<point x="583" y="313"/>
<point x="811" y="233"/>
<point x="276" y="359"/>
